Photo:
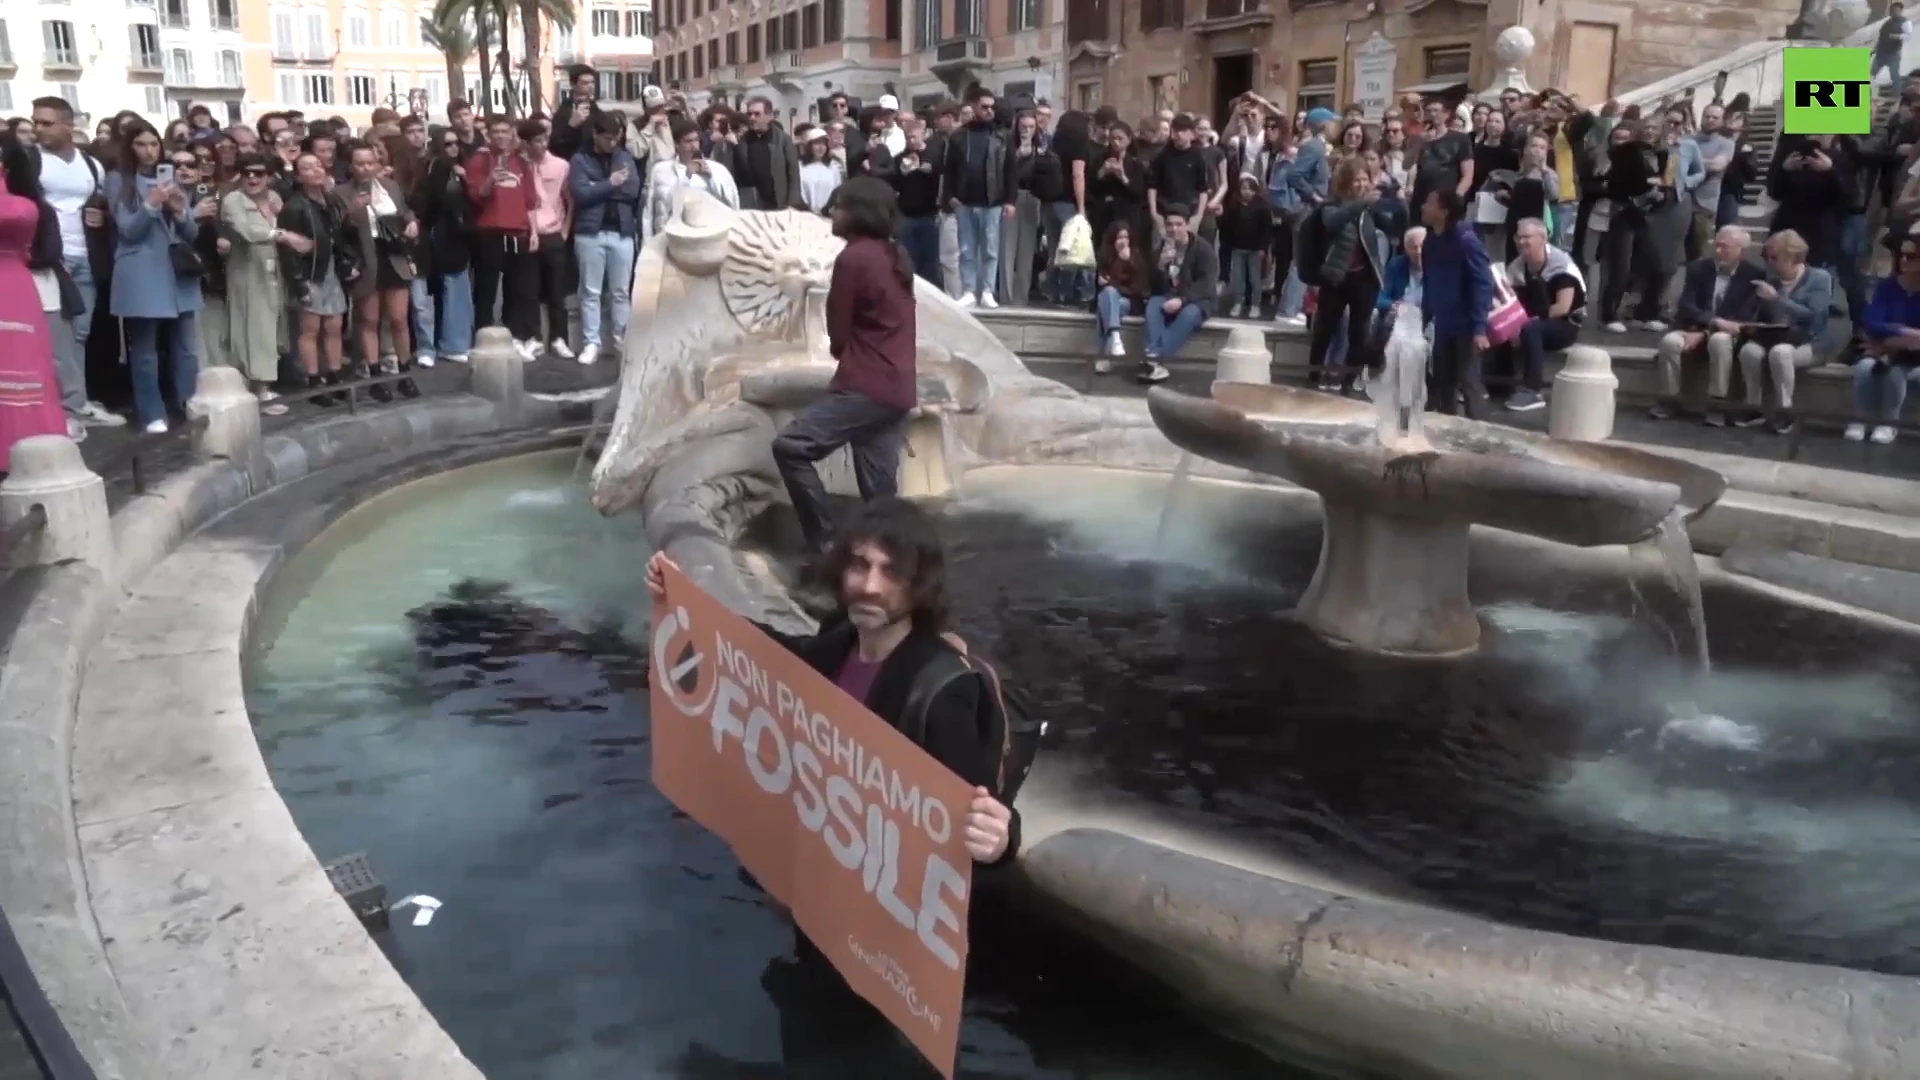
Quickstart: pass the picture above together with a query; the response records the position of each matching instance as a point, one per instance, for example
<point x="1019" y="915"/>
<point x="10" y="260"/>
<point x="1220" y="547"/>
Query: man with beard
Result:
<point x="1445" y="157"/>
<point x="888" y="574"/>
<point x="870" y="331"/>
<point x="573" y="119"/>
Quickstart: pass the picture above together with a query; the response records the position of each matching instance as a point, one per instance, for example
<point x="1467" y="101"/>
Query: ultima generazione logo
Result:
<point x="1829" y="91"/>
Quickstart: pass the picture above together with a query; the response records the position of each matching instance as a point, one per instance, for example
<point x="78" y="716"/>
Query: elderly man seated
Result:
<point x="1794" y="303"/>
<point x="1550" y="287"/>
<point x="1717" y="301"/>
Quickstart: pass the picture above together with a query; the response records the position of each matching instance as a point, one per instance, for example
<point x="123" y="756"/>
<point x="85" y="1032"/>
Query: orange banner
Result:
<point x="839" y="816"/>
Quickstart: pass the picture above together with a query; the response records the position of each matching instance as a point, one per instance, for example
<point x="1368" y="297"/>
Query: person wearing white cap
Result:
<point x="895" y="135"/>
<point x="650" y="140"/>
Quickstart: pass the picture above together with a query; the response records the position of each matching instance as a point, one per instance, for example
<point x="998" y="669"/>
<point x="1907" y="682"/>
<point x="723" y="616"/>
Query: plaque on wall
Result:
<point x="1373" y="67"/>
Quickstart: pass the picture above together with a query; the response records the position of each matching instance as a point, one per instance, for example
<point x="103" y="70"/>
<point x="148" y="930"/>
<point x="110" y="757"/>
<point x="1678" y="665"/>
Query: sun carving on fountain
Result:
<point x="773" y="259"/>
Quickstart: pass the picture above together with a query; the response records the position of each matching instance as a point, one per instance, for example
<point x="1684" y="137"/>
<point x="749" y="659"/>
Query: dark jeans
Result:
<point x="842" y="418"/>
<point x="1627" y="253"/>
<point x="921" y="237"/>
<point x="1538" y="338"/>
<point x="1354" y="298"/>
<point x="1456" y="367"/>
<point x="496" y="271"/>
<point x="551" y="264"/>
<point x="1582" y="218"/>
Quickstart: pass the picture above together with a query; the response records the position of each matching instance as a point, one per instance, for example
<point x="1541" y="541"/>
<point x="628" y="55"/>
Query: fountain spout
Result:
<point x="1392" y="575"/>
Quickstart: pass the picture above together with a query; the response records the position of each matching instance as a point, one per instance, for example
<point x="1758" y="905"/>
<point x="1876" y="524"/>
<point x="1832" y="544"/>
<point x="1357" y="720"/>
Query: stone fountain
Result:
<point x="1392" y="575"/>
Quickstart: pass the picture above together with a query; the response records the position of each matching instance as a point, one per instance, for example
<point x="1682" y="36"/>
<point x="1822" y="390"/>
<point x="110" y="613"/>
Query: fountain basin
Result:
<point x="1393" y="562"/>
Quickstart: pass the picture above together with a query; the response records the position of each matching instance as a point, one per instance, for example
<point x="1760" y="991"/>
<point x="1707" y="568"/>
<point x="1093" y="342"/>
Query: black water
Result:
<point x="500" y="764"/>
<point x="1554" y="780"/>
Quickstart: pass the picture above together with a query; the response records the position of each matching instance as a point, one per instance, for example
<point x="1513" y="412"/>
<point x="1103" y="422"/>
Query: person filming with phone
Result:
<point x="156" y="274"/>
<point x="503" y="190"/>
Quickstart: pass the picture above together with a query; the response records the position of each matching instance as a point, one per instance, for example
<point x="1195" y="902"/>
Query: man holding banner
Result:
<point x="792" y="749"/>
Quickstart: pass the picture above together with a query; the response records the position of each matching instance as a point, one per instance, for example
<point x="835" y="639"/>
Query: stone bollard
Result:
<point x="1582" y="403"/>
<point x="48" y="472"/>
<point x="499" y="375"/>
<point x="232" y="430"/>
<point x="1245" y="359"/>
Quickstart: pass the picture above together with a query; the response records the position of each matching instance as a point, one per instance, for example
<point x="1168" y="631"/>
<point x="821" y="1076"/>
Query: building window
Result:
<point x="1448" y="61"/>
<point x="1023" y="15"/>
<point x="156" y="99"/>
<point x="713" y="54"/>
<point x="180" y="68"/>
<point x="226" y="15"/>
<point x="969" y="18"/>
<point x="833" y="19"/>
<point x="699" y="62"/>
<point x="790" y="31"/>
<point x="146" y="47"/>
<point x="230" y="68"/>
<point x="283" y="34"/>
<point x="773" y="36"/>
<point x="926" y="23"/>
<point x="69" y="93"/>
<point x="361" y="90"/>
<point x="753" y="44"/>
<point x="318" y="47"/>
<point x="435" y="89"/>
<point x="1162" y="14"/>
<point x="319" y="90"/>
<point x="289" y="88"/>
<point x="633" y="23"/>
<point x="1164" y="92"/>
<point x="173" y="13"/>
<point x="606" y="24"/>
<point x="6" y="43"/>
<point x="6" y="95"/>
<point x="1086" y="95"/>
<point x="1319" y="85"/>
<point x="810" y="26"/>
<point x="393" y="30"/>
<point x="733" y="47"/>
<point x="61" y="45"/>
<point x="893" y="19"/>
<point x="359" y="30"/>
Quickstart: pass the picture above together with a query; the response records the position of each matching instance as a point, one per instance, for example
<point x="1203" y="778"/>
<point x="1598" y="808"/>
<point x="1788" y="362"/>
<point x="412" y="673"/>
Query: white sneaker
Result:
<point x="1102" y="366"/>
<point x="559" y="349"/>
<point x="97" y="415"/>
<point x="1290" y="320"/>
<point x="987" y="301"/>
<point x="158" y="427"/>
<point x="1654" y="326"/>
<point x="425" y="359"/>
<point x="1615" y="327"/>
<point x="533" y="349"/>
<point x="76" y="430"/>
<point x="589" y="353"/>
<point x="966" y="300"/>
<point x="1239" y="312"/>
<point x="455" y="358"/>
<point x="1883" y="434"/>
<point x="1855" y="433"/>
<point x="1115" y="346"/>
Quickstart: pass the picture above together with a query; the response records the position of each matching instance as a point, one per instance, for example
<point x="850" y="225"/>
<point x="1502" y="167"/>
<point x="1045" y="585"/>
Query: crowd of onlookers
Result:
<point x="299" y="251"/>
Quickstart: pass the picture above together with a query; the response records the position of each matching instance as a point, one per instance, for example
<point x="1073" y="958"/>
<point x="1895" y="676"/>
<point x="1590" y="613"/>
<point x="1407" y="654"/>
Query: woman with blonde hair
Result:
<point x="1794" y="301"/>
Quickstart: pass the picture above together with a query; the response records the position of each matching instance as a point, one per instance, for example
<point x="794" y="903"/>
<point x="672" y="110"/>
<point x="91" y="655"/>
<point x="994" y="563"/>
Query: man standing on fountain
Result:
<point x="1456" y="300"/>
<point x="870" y="331"/>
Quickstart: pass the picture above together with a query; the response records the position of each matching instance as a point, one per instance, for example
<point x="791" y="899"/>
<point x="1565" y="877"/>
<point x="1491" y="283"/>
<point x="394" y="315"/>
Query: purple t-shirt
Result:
<point x="856" y="676"/>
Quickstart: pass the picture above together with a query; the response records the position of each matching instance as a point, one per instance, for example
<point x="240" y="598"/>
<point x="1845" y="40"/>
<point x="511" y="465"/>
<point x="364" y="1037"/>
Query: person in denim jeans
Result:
<point x="1890" y="348"/>
<point x="151" y="214"/>
<point x="1123" y="279"/>
<point x="1247" y="230"/>
<point x="1186" y="278"/>
<point x="446" y="218"/>
<point x="606" y="200"/>
<point x="980" y="190"/>
<point x="1294" y="189"/>
<point x="916" y="181"/>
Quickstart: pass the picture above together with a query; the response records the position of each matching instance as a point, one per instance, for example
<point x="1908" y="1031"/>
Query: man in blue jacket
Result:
<point x="606" y="212"/>
<point x="1456" y="299"/>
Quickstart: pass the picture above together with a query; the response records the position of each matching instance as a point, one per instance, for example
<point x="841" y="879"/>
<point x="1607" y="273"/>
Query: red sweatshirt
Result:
<point x="870" y="324"/>
<point x="505" y="208"/>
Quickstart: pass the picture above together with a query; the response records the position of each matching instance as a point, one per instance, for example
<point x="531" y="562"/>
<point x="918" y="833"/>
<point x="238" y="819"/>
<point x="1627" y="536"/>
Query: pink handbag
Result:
<point x="1508" y="316"/>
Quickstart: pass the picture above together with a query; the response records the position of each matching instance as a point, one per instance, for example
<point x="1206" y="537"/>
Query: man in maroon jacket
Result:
<point x="870" y="329"/>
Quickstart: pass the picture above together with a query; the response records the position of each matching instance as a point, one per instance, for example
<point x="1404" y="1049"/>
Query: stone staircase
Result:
<point x="1061" y="345"/>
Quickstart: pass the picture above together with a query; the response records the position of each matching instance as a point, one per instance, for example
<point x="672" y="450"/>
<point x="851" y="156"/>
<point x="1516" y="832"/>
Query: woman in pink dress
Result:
<point x="29" y="394"/>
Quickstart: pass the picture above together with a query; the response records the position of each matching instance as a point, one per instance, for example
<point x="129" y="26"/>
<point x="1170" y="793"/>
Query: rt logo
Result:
<point x="1829" y="91"/>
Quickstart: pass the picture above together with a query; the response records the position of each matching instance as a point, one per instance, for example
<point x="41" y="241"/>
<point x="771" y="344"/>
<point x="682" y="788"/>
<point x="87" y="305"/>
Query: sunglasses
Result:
<point x="254" y="174"/>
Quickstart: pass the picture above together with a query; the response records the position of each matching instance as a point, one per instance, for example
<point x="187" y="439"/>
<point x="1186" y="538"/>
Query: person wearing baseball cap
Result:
<point x="650" y="138"/>
<point x="894" y="136"/>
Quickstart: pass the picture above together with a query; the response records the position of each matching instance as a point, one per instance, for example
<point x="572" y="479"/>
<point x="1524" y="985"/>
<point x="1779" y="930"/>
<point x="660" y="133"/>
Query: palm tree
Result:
<point x="557" y="12"/>
<point x="485" y="17"/>
<point x="454" y="39"/>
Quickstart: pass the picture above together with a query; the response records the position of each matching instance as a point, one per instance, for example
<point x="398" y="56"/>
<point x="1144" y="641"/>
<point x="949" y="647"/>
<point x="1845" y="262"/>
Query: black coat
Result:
<point x="445" y="214"/>
<point x="1739" y="303"/>
<point x="318" y="220"/>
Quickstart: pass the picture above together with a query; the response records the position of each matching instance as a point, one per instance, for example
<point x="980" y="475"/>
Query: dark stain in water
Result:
<point x="1435" y="780"/>
<point x="591" y="931"/>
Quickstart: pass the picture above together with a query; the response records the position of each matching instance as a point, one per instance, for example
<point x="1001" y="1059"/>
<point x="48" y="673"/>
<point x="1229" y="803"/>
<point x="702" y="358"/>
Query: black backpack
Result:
<point x="1005" y="721"/>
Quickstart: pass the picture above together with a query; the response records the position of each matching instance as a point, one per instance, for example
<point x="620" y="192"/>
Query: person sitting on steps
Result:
<point x="1717" y="298"/>
<point x="1795" y="300"/>
<point x="1891" y="349"/>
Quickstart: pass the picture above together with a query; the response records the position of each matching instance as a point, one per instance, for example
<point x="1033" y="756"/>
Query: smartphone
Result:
<point x="163" y="172"/>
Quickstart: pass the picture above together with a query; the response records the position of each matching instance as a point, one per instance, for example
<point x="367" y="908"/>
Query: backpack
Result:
<point x="1004" y="719"/>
